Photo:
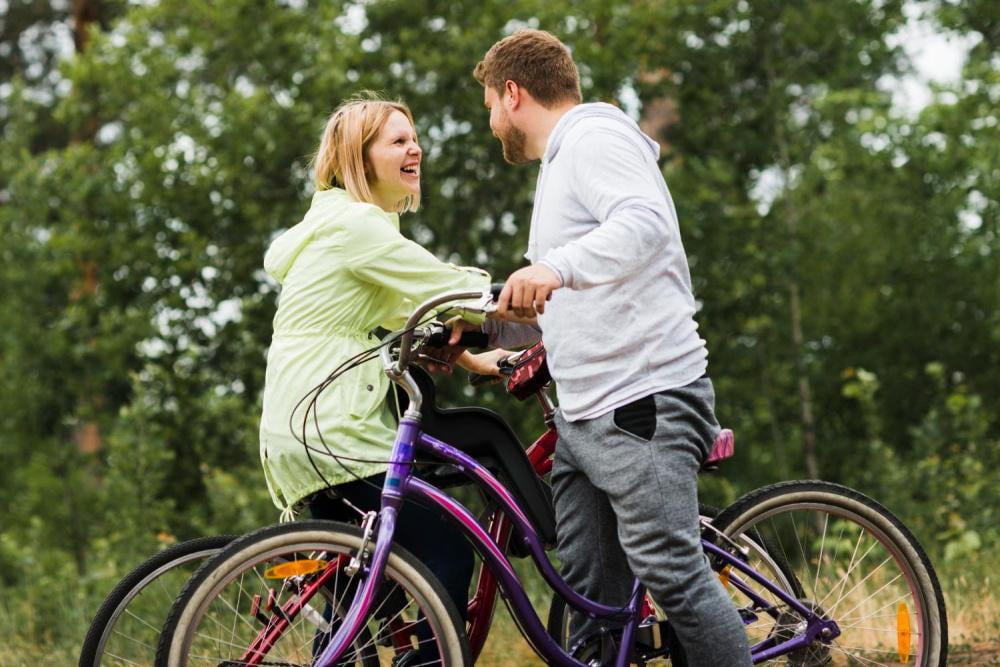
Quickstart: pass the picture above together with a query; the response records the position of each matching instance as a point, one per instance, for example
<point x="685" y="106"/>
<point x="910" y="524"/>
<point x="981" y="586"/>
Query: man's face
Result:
<point x="511" y="137"/>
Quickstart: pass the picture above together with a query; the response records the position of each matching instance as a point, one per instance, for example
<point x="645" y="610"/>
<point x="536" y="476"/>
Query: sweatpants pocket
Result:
<point x="638" y="417"/>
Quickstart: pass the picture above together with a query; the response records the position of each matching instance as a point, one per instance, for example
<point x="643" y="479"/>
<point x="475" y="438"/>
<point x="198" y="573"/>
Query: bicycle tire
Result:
<point x="903" y="582"/>
<point x="424" y="600"/>
<point x="116" y="606"/>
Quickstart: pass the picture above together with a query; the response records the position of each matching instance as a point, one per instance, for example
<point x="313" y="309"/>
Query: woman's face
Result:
<point x="394" y="157"/>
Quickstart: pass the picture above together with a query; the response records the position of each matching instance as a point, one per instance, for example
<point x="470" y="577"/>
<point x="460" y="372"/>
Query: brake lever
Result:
<point x="508" y="363"/>
<point x="422" y="356"/>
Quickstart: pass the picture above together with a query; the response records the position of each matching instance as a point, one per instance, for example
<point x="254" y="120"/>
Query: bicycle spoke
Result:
<point x="130" y="613"/>
<point x="884" y="586"/>
<point x="850" y="568"/>
<point x="819" y="563"/>
<point x="122" y="658"/>
<point x="798" y="543"/>
<point x="876" y="614"/>
<point x="855" y="586"/>
<point x="836" y="647"/>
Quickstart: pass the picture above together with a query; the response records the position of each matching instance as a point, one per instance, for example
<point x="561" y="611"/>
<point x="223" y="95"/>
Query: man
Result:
<point x="610" y="284"/>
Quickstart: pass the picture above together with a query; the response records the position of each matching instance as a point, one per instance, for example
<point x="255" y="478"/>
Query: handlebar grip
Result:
<point x="495" y="290"/>
<point x="468" y="339"/>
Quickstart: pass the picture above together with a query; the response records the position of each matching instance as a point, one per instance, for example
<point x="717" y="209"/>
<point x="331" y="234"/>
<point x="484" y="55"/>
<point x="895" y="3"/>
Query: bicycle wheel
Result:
<point x="127" y="624"/>
<point x="244" y="591"/>
<point x="854" y="563"/>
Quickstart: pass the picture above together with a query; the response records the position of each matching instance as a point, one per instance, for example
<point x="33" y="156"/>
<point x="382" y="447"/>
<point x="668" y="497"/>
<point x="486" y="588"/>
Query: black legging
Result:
<point x="425" y="533"/>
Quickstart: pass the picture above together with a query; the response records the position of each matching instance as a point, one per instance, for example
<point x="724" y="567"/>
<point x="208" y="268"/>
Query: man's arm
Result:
<point x="623" y="190"/>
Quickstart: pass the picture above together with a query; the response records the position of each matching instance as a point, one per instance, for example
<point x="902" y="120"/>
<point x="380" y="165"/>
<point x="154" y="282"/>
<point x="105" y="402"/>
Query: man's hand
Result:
<point x="527" y="290"/>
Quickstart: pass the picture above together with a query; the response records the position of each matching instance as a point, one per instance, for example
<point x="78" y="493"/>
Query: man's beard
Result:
<point x="514" y="140"/>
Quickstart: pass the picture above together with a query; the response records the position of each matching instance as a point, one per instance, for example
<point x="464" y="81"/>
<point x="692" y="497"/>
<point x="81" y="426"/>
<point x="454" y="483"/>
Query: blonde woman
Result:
<point x="344" y="270"/>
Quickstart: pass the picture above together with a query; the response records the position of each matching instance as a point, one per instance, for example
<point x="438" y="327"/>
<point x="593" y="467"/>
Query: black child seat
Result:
<point x="485" y="436"/>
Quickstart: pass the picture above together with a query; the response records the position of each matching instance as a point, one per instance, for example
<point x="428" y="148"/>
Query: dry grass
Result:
<point x="973" y="607"/>
<point x="973" y="613"/>
<point x="505" y="646"/>
<point x="973" y="618"/>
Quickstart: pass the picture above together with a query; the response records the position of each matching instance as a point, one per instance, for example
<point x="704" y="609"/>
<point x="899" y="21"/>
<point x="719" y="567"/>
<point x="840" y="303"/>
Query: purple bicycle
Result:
<point x="820" y="574"/>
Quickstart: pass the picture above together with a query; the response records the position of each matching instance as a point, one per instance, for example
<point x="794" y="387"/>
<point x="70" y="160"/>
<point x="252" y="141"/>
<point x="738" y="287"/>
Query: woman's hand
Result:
<point x="484" y="363"/>
<point x="458" y="325"/>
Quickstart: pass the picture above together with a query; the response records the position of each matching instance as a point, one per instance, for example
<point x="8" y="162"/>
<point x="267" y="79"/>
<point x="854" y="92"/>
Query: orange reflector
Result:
<point x="724" y="576"/>
<point x="294" y="569"/>
<point x="903" y="632"/>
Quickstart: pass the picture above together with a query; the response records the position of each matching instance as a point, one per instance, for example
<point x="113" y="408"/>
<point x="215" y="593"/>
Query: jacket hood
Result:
<point x="595" y="110"/>
<point x="286" y="248"/>
<point x="327" y="206"/>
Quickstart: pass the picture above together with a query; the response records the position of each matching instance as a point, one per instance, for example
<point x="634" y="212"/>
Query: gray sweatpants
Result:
<point x="626" y="500"/>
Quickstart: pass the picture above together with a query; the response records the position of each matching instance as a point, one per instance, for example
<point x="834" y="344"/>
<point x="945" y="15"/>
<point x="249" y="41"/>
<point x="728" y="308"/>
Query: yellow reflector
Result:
<point x="294" y="569"/>
<point x="903" y="632"/>
<point x="724" y="576"/>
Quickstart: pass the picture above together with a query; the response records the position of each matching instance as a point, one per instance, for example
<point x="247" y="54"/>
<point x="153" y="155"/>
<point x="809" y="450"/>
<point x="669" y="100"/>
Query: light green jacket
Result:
<point x="344" y="270"/>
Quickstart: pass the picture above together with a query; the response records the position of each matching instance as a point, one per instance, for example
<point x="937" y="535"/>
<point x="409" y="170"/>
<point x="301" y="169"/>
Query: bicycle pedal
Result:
<point x="649" y="634"/>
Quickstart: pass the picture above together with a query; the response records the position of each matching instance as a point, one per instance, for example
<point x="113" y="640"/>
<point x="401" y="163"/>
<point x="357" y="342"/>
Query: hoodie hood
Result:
<point x="595" y="110"/>
<point x="285" y="249"/>
<point x="327" y="206"/>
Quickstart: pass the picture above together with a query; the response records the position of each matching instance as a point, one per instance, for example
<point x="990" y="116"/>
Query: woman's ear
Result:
<point x="366" y="165"/>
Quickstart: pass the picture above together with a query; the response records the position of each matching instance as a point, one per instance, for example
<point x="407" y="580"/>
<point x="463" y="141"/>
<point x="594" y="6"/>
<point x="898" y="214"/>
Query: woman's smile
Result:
<point x="395" y="157"/>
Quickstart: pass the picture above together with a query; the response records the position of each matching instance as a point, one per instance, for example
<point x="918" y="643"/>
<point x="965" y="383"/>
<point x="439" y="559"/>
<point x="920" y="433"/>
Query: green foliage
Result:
<point x="955" y="472"/>
<point x="945" y="484"/>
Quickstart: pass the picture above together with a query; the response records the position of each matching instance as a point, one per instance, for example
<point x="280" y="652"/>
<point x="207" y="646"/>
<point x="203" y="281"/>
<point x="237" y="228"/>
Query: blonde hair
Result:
<point x="342" y="158"/>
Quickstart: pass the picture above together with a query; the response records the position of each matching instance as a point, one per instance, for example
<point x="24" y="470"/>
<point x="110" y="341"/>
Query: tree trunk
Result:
<point x="85" y="12"/>
<point x="791" y="218"/>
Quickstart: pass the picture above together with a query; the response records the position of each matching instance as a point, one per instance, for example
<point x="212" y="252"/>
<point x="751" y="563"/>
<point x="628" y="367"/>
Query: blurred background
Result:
<point x="835" y="165"/>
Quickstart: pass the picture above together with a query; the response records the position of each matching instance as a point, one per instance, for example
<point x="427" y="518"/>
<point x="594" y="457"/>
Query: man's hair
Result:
<point x="342" y="158"/>
<point x="535" y="60"/>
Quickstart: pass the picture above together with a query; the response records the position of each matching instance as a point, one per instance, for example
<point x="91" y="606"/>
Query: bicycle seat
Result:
<point x="485" y="436"/>
<point x="723" y="447"/>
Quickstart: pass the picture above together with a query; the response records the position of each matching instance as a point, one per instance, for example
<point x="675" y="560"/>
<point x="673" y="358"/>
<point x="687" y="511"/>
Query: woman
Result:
<point x="344" y="270"/>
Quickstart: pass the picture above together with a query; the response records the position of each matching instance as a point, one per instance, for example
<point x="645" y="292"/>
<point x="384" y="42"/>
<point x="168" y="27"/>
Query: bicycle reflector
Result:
<point x="295" y="568"/>
<point x="724" y="576"/>
<point x="903" y="633"/>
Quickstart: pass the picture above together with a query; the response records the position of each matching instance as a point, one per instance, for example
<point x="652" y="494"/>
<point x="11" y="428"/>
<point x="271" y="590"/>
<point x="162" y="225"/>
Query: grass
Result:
<point x="973" y="613"/>
<point x="506" y="646"/>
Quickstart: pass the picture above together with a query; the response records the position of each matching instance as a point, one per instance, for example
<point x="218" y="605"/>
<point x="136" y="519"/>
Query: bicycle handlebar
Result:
<point x="406" y="341"/>
<point x="440" y="335"/>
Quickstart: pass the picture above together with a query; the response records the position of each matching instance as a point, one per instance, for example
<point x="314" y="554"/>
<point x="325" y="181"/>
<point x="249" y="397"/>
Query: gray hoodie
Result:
<point x="622" y="327"/>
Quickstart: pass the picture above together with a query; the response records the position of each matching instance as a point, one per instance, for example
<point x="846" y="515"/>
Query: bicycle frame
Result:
<point x="482" y="604"/>
<point x="400" y="482"/>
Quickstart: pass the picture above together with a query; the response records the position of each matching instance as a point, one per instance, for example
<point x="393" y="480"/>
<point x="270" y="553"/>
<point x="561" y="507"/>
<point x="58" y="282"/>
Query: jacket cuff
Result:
<point x="558" y="266"/>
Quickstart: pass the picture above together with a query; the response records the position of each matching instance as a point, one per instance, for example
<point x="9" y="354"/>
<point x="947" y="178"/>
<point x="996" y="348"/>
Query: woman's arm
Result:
<point x="380" y="255"/>
<point x="484" y="363"/>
